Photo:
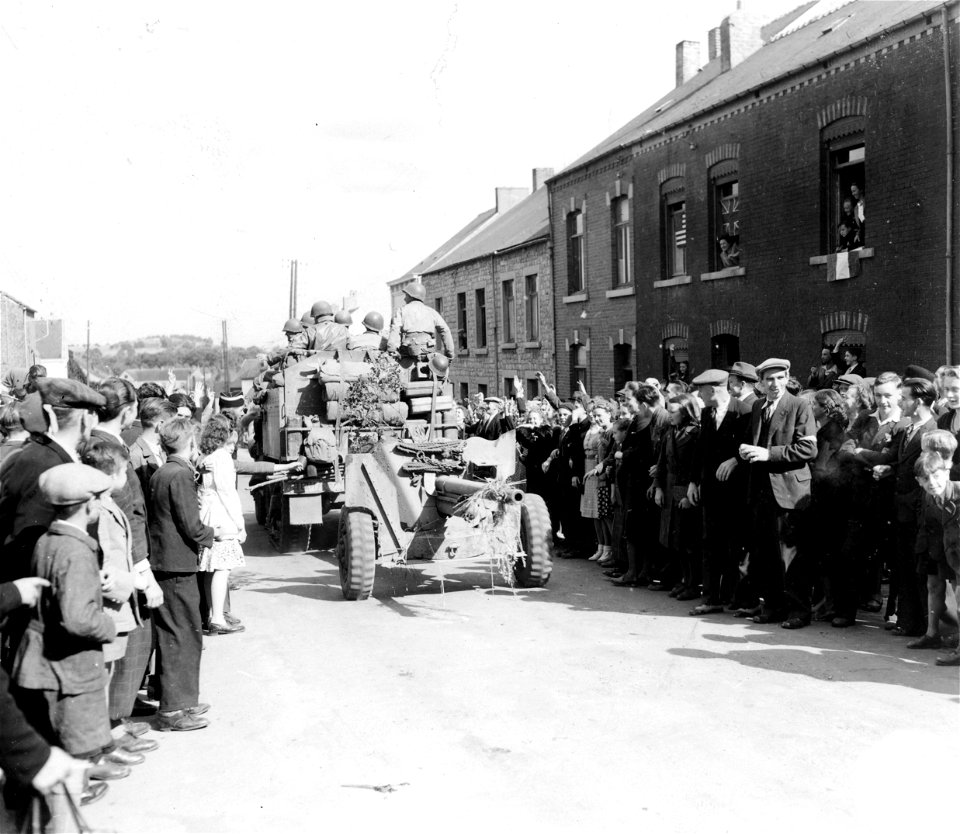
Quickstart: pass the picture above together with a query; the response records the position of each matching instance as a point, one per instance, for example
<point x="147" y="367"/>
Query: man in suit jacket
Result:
<point x="494" y="422"/>
<point x="64" y="411"/>
<point x="743" y="378"/>
<point x="566" y="465"/>
<point x="719" y="487"/>
<point x="897" y="460"/>
<point x="782" y="443"/>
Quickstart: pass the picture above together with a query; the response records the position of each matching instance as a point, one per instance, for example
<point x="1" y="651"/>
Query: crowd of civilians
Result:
<point x="747" y="491"/>
<point x="120" y="522"/>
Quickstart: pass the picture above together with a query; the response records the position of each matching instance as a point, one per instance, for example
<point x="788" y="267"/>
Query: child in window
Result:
<point x="220" y="507"/>
<point x="846" y="236"/>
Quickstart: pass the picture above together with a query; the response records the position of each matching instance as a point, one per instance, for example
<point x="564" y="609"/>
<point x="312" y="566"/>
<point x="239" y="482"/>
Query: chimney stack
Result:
<point x="688" y="60"/>
<point x="740" y="37"/>
<point x="540" y="176"/>
<point x="507" y="198"/>
<point x="713" y="44"/>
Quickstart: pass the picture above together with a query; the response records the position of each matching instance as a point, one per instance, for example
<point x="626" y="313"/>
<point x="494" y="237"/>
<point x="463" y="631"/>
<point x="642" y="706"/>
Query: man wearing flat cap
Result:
<point x="741" y="382"/>
<point x="782" y="442"/>
<point x="718" y="485"/>
<point x="65" y="414"/>
<point x="494" y="421"/>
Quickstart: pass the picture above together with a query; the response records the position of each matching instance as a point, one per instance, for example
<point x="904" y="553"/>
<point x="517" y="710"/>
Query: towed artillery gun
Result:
<point x="379" y="441"/>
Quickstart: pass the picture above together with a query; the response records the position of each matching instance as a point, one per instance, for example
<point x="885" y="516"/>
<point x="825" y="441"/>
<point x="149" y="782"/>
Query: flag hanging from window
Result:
<point x="843" y="265"/>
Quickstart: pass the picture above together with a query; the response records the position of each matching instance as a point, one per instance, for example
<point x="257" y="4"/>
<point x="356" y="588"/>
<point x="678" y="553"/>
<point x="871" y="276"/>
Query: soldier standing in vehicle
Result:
<point x="413" y="331"/>
<point x="326" y="333"/>
<point x="296" y="340"/>
<point x="371" y="339"/>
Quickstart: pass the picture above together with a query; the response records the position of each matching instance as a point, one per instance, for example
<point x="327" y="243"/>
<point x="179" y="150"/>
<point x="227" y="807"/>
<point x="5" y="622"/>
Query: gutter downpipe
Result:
<point x="496" y="325"/>
<point x="951" y="295"/>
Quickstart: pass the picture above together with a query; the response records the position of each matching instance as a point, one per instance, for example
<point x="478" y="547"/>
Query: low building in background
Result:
<point x="495" y="291"/>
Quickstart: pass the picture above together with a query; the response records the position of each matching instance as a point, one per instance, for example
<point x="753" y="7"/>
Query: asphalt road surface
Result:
<point x="454" y="706"/>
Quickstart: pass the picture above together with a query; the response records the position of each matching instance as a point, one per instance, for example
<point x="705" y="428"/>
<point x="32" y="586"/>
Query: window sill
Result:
<point x="508" y="346"/>
<point x="620" y="292"/>
<point x="575" y="298"/>
<point x="728" y="272"/>
<point x="479" y="351"/>
<point x="820" y="260"/>
<point x="676" y="281"/>
<point x="533" y="345"/>
<point x="463" y="351"/>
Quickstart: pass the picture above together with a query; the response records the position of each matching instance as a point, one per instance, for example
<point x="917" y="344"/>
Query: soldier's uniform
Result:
<point x="367" y="341"/>
<point x="326" y="334"/>
<point x="413" y="331"/>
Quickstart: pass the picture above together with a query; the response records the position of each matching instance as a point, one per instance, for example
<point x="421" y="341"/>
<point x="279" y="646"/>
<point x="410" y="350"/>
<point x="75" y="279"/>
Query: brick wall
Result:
<point x="523" y="357"/>
<point x="778" y="305"/>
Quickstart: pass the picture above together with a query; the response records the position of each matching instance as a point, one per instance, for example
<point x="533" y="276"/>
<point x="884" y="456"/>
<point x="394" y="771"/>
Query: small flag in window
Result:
<point x="843" y="265"/>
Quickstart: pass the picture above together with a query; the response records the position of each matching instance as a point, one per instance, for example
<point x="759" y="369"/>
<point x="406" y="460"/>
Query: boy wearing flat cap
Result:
<point x="59" y="668"/>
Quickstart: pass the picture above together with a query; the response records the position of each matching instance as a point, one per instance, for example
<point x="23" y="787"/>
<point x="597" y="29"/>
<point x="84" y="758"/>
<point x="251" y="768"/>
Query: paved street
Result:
<point x="576" y="707"/>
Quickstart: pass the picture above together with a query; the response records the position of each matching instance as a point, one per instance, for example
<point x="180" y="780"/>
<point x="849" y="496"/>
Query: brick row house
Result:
<point x="493" y="284"/>
<point x="763" y="143"/>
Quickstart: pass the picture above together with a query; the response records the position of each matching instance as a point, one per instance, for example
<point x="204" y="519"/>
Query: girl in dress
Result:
<point x="220" y="507"/>
<point x="595" y="501"/>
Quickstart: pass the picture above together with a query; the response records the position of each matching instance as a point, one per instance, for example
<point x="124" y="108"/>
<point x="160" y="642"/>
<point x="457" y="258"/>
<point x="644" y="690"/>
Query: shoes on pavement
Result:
<point x="951" y="640"/>
<point x="213" y="629"/>
<point x="764" y="619"/>
<point x="926" y="642"/>
<point x="136" y="728"/>
<point x="142" y="708"/>
<point x="688" y="594"/>
<point x="624" y="582"/>
<point x="199" y="709"/>
<point x="795" y="622"/>
<point x="842" y="622"/>
<point x="679" y="588"/>
<point x="121" y="756"/>
<point x="747" y="613"/>
<point x="179" y="721"/>
<point x="132" y="744"/>
<point x="92" y="792"/>
<point x="900" y="631"/>
<point x="231" y="620"/>
<point x="706" y="608"/>
<point x="949" y="659"/>
<point x="613" y="574"/>
<point x="103" y="770"/>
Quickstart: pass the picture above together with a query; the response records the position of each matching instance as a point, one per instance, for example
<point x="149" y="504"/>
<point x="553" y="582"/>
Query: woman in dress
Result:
<point x="220" y="507"/>
<point x="595" y="501"/>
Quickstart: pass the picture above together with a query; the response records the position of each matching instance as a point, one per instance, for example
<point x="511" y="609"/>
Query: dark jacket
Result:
<point x="535" y="446"/>
<point x="176" y="532"/>
<point x="24" y="513"/>
<point x="944" y="422"/>
<point x="22" y="750"/>
<point x="678" y="457"/>
<point x="638" y="457"/>
<point x="938" y="531"/>
<point x="61" y="650"/>
<point x="792" y="443"/>
<point x="716" y="445"/>
<point x="130" y="500"/>
<point x="829" y="476"/>
<point x="144" y="463"/>
<point x="902" y="453"/>
<point x="570" y="461"/>
<point x="493" y="428"/>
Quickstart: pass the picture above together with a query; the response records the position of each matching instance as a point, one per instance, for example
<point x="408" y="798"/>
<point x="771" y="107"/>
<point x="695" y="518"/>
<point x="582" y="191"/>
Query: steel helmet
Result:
<point x="292" y="326"/>
<point x="343" y="317"/>
<point x="415" y="290"/>
<point x="321" y="308"/>
<point x="439" y="364"/>
<point x="373" y="321"/>
<point x="306" y="319"/>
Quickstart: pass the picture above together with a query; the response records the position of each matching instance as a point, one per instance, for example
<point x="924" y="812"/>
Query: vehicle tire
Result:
<point x="536" y="534"/>
<point x="357" y="554"/>
<point x="284" y="536"/>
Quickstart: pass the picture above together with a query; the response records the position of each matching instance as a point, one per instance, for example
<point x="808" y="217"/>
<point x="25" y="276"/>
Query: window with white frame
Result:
<point x="509" y="312"/>
<point x="576" y="274"/>
<point x="531" y="303"/>
<point x="622" y="242"/>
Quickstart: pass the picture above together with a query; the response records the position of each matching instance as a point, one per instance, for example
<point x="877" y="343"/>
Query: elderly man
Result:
<point x="719" y="487"/>
<point x="494" y="421"/>
<point x="741" y="381"/>
<point x="62" y="413"/>
<point x="413" y="331"/>
<point x="782" y="444"/>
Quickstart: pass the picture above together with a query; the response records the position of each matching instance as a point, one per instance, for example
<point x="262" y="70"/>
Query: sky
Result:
<point x="162" y="163"/>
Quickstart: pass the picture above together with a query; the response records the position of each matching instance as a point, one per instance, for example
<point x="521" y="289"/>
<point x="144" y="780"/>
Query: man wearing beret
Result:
<point x="782" y="441"/>
<point x="718" y="485"/>
<point x="65" y="414"/>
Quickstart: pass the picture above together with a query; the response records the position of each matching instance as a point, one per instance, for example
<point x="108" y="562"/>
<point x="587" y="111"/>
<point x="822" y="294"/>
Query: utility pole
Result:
<point x="226" y="372"/>
<point x="293" y="290"/>
<point x="88" y="351"/>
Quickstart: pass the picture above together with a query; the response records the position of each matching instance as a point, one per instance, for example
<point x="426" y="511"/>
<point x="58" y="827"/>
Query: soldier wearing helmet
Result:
<point x="296" y="340"/>
<point x="413" y="331"/>
<point x="326" y="334"/>
<point x="371" y="339"/>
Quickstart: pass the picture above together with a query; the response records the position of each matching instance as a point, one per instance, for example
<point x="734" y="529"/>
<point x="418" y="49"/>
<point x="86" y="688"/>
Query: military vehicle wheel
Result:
<point x="284" y="536"/>
<point x="357" y="554"/>
<point x="536" y="534"/>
